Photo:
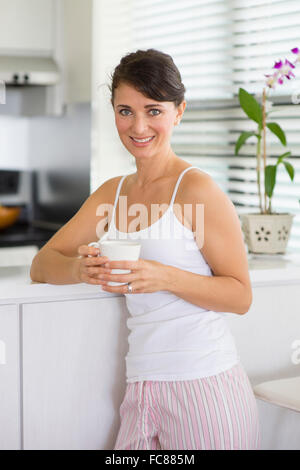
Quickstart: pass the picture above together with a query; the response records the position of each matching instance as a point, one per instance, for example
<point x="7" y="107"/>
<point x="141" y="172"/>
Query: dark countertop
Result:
<point x="23" y="234"/>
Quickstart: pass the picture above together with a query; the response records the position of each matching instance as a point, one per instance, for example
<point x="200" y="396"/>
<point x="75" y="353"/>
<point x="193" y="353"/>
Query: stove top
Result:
<point x="23" y="234"/>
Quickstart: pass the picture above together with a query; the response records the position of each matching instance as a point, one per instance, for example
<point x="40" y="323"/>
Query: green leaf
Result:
<point x="276" y="129"/>
<point x="242" y="139"/>
<point x="270" y="179"/>
<point x="251" y="107"/>
<point x="284" y="155"/>
<point x="290" y="169"/>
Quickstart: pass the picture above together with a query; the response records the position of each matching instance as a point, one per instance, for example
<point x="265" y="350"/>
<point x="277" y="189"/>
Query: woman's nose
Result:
<point x="139" y="126"/>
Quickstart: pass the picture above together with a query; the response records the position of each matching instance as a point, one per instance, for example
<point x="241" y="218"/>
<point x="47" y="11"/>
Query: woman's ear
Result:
<point x="180" y="111"/>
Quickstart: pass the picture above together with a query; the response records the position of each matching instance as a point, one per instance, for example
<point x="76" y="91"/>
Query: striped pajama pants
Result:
<point x="211" y="413"/>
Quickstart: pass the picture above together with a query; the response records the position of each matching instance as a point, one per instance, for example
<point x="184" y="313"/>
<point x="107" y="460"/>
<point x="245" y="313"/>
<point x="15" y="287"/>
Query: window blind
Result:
<point x="197" y="34"/>
<point x="219" y="46"/>
<point x="263" y="30"/>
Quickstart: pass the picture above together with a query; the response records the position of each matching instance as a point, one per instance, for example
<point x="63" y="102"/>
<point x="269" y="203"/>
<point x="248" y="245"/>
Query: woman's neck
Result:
<point x="151" y="170"/>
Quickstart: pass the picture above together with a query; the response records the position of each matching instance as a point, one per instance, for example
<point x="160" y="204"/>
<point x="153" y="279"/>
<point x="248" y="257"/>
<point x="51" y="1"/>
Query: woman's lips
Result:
<point x="142" y="144"/>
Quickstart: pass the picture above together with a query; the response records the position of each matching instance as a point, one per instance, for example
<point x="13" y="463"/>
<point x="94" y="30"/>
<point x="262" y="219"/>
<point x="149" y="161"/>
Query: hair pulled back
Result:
<point x="151" y="72"/>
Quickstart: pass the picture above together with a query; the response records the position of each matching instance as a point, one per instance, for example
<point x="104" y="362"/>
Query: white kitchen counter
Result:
<point x="16" y="285"/>
<point x="270" y="270"/>
<point x="17" y="256"/>
<point x="15" y="282"/>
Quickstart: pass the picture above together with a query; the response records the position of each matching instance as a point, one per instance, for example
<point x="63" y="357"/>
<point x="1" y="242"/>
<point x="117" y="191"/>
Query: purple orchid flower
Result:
<point x="271" y="80"/>
<point x="289" y="75"/>
<point x="282" y="70"/>
<point x="287" y="62"/>
<point x="296" y="51"/>
<point x="286" y="69"/>
<point x="278" y="65"/>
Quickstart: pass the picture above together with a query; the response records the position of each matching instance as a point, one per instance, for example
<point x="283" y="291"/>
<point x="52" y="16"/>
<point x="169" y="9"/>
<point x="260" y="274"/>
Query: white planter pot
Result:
<point x="267" y="233"/>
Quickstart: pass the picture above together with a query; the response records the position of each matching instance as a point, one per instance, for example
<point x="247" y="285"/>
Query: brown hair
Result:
<point x="152" y="73"/>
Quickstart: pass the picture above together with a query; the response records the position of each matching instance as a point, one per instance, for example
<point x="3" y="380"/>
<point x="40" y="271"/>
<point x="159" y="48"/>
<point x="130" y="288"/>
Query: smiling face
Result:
<point x="144" y="125"/>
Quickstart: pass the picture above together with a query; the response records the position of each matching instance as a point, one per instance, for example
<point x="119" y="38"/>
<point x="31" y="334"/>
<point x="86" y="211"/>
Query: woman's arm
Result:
<point x="58" y="261"/>
<point x="217" y="293"/>
<point x="222" y="246"/>
<point x="53" y="267"/>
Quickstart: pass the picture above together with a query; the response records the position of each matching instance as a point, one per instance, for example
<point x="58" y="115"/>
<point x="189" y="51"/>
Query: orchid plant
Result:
<point x="259" y="114"/>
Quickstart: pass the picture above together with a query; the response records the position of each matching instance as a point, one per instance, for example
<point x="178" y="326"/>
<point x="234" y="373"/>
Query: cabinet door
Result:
<point x="77" y="50"/>
<point x="266" y="334"/>
<point x="10" y="433"/>
<point x="73" y="373"/>
<point x="27" y="25"/>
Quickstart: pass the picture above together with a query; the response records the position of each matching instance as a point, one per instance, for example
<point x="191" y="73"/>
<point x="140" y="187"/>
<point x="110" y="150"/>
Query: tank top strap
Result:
<point x="117" y="197"/>
<point x="178" y="183"/>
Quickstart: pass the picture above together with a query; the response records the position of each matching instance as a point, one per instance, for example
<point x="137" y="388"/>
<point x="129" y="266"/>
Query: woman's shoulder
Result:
<point x="111" y="182"/>
<point x="108" y="188"/>
<point x="197" y="182"/>
<point x="200" y="187"/>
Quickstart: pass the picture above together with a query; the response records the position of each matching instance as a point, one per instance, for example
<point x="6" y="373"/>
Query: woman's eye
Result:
<point x="156" y="112"/>
<point x="124" y="111"/>
<point x="127" y="112"/>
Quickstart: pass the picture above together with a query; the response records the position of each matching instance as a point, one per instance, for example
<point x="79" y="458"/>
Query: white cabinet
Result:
<point x="266" y="338"/>
<point x="10" y="433"/>
<point x="266" y="351"/>
<point x="77" y="28"/>
<point x="27" y="26"/>
<point x="57" y="29"/>
<point x="73" y="373"/>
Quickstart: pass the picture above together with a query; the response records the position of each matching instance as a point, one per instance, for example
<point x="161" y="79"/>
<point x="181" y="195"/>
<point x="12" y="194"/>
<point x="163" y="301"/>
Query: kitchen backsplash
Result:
<point x="14" y="143"/>
<point x="31" y="143"/>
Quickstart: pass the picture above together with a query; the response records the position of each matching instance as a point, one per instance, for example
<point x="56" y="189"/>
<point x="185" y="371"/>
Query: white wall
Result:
<point x="14" y="143"/>
<point x="30" y="143"/>
<point x="111" y="40"/>
<point x="65" y="140"/>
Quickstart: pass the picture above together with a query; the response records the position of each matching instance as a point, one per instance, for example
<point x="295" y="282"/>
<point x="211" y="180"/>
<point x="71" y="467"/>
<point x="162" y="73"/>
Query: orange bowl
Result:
<point x="8" y="216"/>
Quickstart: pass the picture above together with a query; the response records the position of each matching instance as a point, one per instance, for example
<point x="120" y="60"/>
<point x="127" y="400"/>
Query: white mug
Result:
<point x="118" y="250"/>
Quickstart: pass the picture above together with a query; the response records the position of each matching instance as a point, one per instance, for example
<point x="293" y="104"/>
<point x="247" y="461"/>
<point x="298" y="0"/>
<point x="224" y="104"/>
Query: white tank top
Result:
<point x="170" y="338"/>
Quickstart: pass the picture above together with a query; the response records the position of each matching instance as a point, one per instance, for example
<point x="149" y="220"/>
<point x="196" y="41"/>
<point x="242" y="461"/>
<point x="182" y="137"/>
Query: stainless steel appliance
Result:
<point x="16" y="190"/>
<point x="48" y="200"/>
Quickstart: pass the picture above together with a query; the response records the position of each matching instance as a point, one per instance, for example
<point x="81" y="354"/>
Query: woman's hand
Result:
<point x="90" y="264"/>
<point x="146" y="276"/>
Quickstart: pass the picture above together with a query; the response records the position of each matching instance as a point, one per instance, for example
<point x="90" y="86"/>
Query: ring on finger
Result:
<point x="129" y="288"/>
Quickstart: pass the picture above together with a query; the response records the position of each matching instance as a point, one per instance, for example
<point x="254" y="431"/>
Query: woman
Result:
<point x="186" y="388"/>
